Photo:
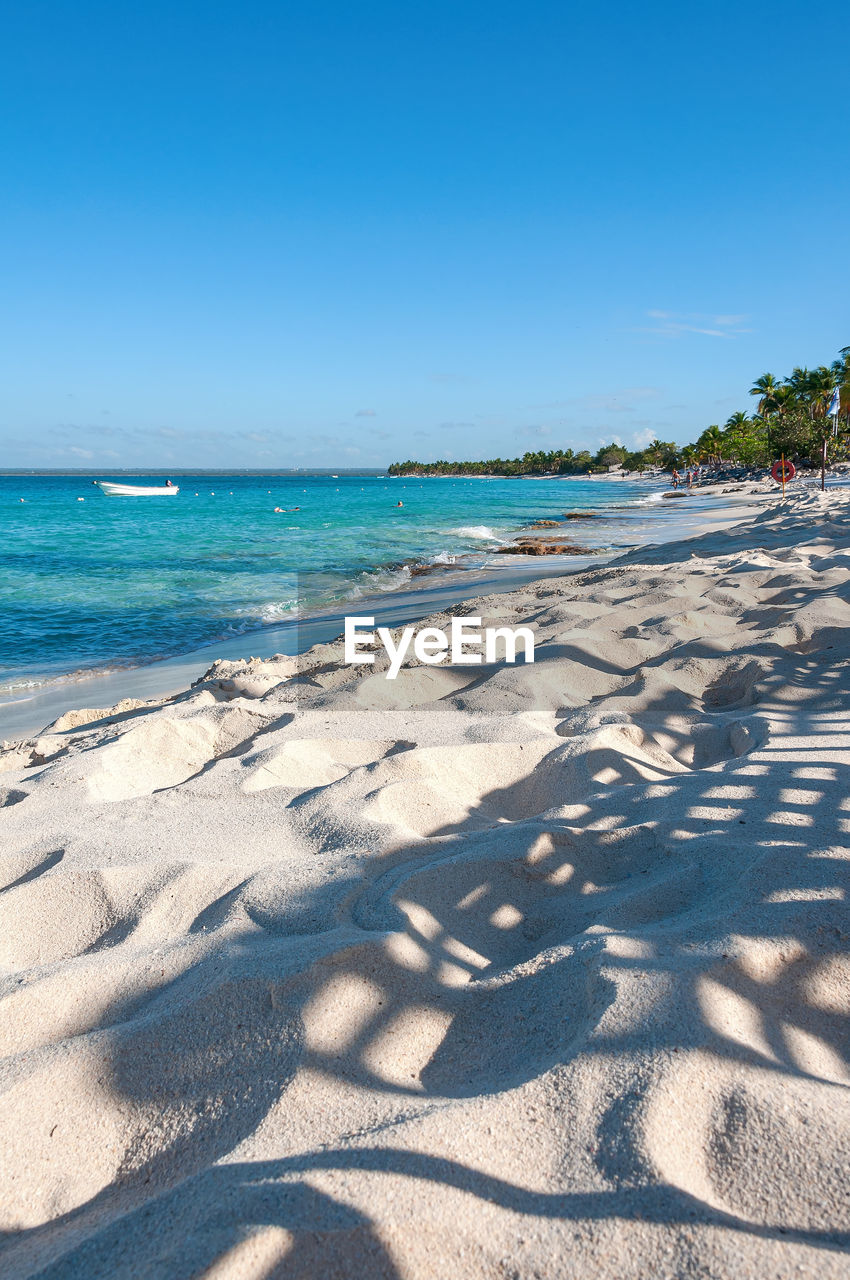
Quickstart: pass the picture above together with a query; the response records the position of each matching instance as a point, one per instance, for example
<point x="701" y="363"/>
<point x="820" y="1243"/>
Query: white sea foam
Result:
<point x="277" y="610"/>
<point x="379" y="581"/>
<point x="271" y="611"/>
<point x="480" y="532"/>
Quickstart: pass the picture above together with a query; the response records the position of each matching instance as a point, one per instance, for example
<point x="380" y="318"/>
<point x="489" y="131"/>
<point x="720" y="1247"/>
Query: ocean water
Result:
<point x="105" y="582"/>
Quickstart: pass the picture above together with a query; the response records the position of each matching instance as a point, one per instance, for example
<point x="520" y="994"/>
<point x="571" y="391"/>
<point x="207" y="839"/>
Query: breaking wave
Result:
<point x="477" y="532"/>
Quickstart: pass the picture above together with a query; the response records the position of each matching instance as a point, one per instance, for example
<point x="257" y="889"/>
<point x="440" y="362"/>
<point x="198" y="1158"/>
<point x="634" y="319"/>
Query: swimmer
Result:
<point x="399" y="504"/>
<point x="279" y="511"/>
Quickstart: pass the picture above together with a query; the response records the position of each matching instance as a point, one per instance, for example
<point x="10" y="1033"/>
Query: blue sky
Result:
<point x="341" y="234"/>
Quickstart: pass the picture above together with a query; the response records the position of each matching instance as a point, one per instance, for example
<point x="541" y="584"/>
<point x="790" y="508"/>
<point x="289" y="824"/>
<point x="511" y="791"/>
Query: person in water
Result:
<point x="169" y="485"/>
<point x="399" y="504"/>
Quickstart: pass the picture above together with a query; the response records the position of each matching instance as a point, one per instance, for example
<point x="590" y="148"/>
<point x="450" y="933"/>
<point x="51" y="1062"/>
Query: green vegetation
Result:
<point x="791" y="418"/>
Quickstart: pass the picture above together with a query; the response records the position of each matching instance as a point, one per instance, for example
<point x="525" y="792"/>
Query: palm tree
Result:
<point x="765" y="388"/>
<point x="711" y="443"/>
<point x="841" y="368"/>
<point x="800" y="383"/>
<point x="738" y="421"/>
<point x="841" y="371"/>
<point x="784" y="398"/>
<point x="735" y="433"/>
<point x="821" y="384"/>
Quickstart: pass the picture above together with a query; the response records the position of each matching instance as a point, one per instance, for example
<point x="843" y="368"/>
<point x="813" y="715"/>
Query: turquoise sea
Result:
<point x="103" y="582"/>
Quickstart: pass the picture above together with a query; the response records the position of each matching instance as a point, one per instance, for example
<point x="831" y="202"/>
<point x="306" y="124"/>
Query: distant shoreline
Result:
<point x="74" y="472"/>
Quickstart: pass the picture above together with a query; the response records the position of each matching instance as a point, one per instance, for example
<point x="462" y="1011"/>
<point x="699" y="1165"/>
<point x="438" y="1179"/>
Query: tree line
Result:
<point x="791" y="418"/>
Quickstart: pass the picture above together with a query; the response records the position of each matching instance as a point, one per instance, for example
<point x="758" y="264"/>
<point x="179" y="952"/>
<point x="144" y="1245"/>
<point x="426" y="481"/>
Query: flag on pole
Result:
<point x="835" y="403"/>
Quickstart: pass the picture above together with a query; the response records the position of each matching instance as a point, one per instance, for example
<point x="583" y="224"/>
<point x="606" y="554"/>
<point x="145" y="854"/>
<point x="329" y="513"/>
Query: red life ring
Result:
<point x="776" y="471"/>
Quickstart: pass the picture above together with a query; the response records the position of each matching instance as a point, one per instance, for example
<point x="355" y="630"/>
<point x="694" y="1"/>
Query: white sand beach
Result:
<point x="498" y="972"/>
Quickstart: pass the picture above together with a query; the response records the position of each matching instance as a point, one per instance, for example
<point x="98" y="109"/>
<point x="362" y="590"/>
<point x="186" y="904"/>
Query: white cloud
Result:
<point x="673" y="324"/>
<point x="620" y="400"/>
<point x="365" y="413"/>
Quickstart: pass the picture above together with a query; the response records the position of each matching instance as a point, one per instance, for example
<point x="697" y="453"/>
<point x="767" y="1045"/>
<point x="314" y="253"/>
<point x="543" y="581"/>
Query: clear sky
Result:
<point x="337" y="234"/>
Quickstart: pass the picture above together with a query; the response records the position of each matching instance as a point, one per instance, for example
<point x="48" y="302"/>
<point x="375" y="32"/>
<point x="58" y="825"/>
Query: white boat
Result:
<point x="135" y="490"/>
